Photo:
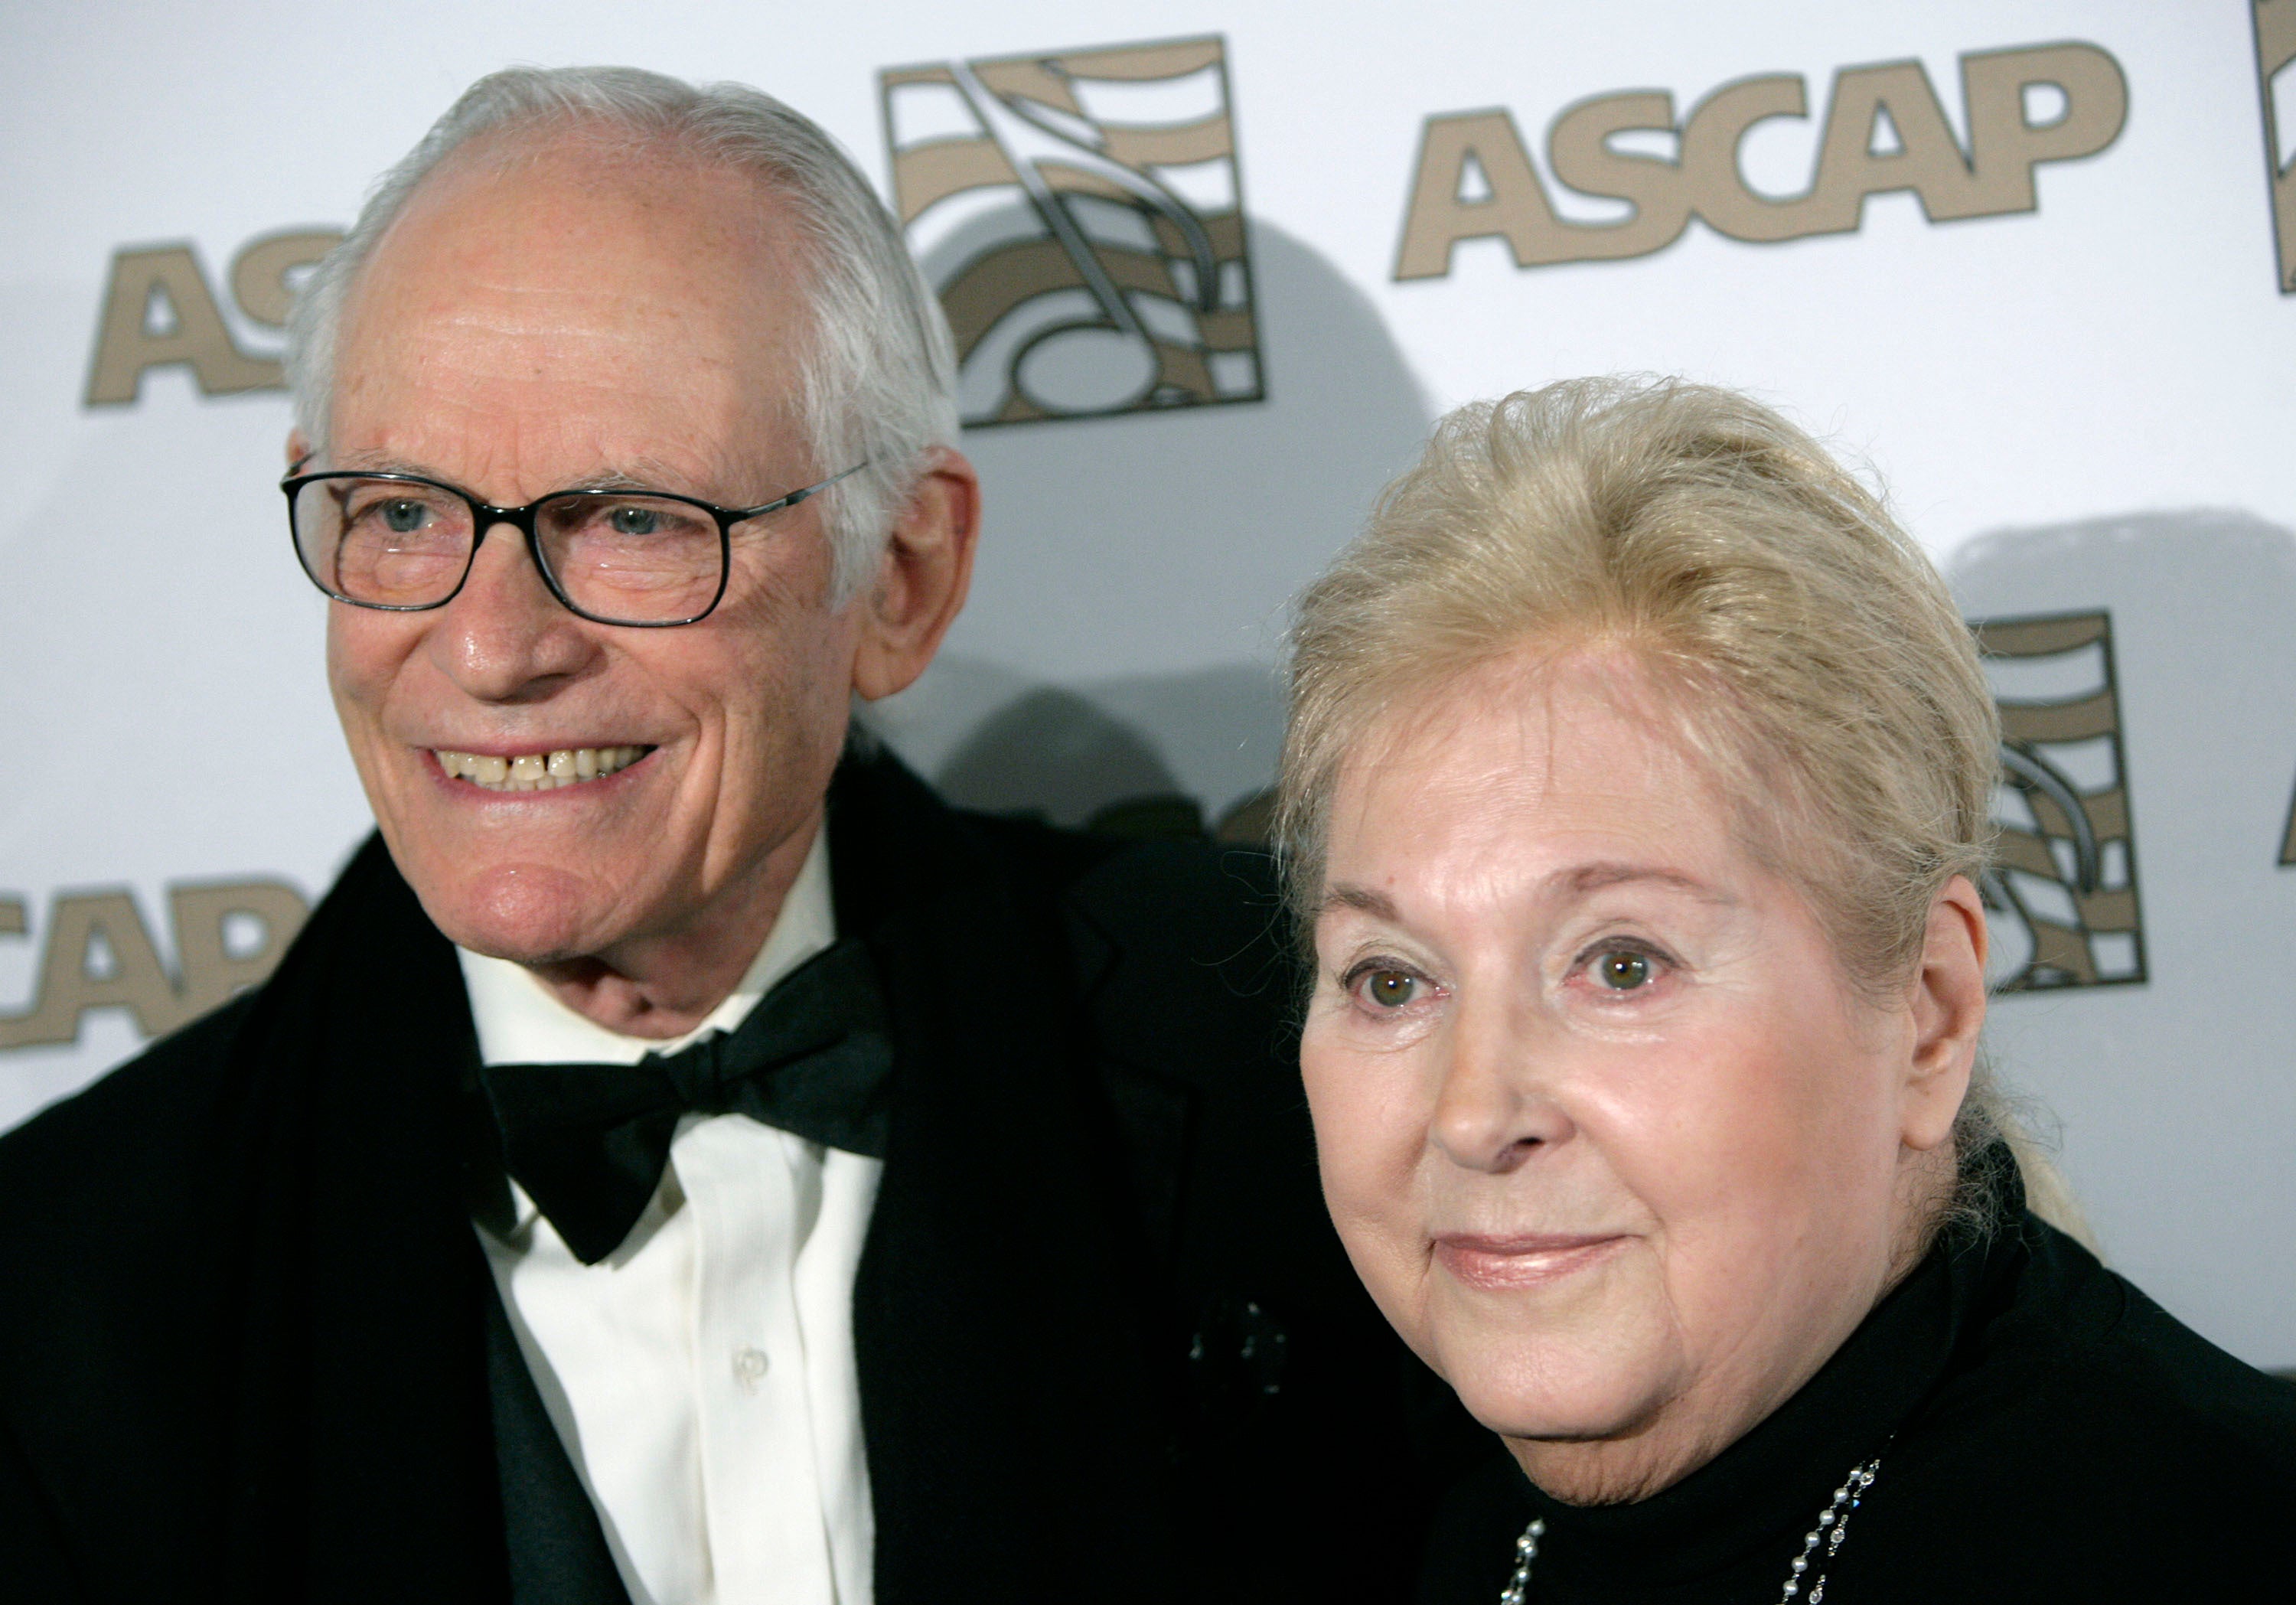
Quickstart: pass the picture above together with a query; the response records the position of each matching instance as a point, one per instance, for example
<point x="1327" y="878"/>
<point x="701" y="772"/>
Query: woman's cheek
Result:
<point x="1368" y="1138"/>
<point x="1376" y="1209"/>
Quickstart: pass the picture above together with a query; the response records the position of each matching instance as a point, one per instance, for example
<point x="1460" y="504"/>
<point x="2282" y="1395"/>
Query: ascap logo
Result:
<point x="2275" y="81"/>
<point x="1081" y="218"/>
<point x="1884" y="130"/>
<point x="97" y="952"/>
<point x="160" y="311"/>
<point x="2062" y="891"/>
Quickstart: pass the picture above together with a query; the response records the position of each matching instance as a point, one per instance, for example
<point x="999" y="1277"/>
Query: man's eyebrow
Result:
<point x="611" y="479"/>
<point x="636" y="474"/>
<point x="643" y="473"/>
<point x="377" y="463"/>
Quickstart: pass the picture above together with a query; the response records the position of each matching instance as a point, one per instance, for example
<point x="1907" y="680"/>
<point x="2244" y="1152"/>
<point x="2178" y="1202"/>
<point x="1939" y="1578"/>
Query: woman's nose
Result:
<point x="1495" y="1106"/>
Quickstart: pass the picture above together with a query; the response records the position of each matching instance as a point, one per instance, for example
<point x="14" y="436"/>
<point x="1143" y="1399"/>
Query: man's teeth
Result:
<point x="538" y="771"/>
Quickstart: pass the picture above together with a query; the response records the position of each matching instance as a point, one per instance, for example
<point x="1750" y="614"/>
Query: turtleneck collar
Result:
<point x="1730" y="1528"/>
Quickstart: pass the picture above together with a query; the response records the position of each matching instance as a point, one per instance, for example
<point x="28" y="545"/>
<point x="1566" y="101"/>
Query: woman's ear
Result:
<point x="1948" y="1011"/>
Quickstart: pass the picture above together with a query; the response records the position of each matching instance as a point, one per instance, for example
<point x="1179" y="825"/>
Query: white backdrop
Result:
<point x="2083" y="408"/>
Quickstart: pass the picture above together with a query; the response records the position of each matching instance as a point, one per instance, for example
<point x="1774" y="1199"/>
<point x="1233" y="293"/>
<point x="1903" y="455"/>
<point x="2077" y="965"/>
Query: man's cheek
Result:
<point x="355" y="672"/>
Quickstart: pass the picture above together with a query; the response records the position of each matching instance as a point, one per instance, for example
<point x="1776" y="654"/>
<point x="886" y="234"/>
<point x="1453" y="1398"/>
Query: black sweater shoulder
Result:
<point x="2085" y="1443"/>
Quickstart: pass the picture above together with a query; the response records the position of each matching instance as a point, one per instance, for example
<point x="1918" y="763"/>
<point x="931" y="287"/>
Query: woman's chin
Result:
<point x="1561" y="1391"/>
<point x="1596" y="1409"/>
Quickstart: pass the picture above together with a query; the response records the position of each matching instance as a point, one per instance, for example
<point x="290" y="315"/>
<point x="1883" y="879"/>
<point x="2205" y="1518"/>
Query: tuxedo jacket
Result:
<point x="1108" y="1345"/>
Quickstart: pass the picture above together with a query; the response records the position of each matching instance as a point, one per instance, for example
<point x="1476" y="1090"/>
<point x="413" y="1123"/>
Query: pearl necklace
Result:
<point x="1833" y="1527"/>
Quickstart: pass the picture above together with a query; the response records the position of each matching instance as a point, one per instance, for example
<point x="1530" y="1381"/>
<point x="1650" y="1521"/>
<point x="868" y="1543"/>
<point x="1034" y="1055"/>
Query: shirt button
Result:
<point x="749" y="1368"/>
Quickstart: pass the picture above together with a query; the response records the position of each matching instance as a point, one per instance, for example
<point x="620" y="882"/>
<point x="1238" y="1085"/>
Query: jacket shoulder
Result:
<point x="140" y="1151"/>
<point x="1181" y="949"/>
<point x="110" y="1142"/>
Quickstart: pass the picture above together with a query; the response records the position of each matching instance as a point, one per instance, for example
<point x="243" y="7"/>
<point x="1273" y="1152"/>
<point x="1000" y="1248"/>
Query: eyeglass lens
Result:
<point x="617" y="557"/>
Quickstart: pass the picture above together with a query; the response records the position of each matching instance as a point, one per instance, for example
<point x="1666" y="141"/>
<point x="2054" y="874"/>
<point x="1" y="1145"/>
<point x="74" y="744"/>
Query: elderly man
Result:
<point x="682" y="1159"/>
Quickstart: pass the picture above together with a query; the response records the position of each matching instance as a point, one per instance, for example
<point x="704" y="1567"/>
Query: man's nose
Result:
<point x="505" y="638"/>
<point x="1496" y="1106"/>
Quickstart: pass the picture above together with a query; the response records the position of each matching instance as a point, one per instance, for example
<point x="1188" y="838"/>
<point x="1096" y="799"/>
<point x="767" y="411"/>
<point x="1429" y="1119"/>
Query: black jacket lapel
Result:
<point x="1005" y="1398"/>
<point x="557" y="1552"/>
<point x="363" y="1465"/>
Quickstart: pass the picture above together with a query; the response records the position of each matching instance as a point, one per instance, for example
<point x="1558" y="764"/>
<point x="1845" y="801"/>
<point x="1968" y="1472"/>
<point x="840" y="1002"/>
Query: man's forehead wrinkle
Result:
<point x="596" y="155"/>
<point x="503" y="235"/>
<point x="456" y="369"/>
<point x="509" y="304"/>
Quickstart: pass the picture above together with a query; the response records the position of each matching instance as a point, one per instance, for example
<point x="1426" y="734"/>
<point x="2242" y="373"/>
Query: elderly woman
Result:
<point x="1637" y="782"/>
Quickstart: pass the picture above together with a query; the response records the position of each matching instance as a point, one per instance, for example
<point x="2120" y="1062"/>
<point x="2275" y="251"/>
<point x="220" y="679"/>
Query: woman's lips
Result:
<point x="1523" y="1262"/>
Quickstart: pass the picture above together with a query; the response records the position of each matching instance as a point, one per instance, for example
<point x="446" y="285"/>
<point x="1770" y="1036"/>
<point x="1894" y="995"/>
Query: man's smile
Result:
<point x="536" y="770"/>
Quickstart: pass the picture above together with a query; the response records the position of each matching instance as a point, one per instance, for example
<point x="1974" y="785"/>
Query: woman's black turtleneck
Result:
<point x="2047" y="1433"/>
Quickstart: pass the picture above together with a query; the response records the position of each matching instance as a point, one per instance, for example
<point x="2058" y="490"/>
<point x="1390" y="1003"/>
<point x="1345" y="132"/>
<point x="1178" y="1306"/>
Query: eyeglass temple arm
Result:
<point x="795" y="496"/>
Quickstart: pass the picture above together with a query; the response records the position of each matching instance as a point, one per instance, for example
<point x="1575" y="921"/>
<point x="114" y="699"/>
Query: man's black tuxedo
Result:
<point x="1109" y="1348"/>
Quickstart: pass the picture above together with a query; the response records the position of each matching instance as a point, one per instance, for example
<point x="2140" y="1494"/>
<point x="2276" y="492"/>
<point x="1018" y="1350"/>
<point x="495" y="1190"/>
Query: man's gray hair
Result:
<point x="879" y="368"/>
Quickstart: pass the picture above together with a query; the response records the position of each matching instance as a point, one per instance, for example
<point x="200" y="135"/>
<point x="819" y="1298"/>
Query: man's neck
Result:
<point x="665" y="985"/>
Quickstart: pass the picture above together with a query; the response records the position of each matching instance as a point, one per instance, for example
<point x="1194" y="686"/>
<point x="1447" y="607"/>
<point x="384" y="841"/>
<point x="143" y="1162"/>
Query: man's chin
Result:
<point x="529" y="914"/>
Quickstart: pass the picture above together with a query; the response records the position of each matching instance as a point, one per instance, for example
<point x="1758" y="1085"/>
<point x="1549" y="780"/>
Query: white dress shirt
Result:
<point x="702" y="1376"/>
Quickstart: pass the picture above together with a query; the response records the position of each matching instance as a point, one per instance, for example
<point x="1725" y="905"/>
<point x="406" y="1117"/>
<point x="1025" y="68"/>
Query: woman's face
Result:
<point x="1605" y="1130"/>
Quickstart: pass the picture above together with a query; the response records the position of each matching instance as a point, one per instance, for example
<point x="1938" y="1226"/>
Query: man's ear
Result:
<point x="1948" y="1011"/>
<point x="922" y="578"/>
<point x="299" y="446"/>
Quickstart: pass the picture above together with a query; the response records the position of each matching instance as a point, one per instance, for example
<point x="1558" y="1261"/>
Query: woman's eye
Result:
<point x="1624" y="970"/>
<point x="1388" y="988"/>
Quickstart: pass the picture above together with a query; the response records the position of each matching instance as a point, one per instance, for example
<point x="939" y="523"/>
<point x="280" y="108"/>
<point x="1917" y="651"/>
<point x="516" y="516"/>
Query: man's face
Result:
<point x="576" y="319"/>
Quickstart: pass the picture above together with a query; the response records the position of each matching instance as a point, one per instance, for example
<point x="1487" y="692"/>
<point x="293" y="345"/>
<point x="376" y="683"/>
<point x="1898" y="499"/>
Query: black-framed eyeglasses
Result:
<point x="403" y="544"/>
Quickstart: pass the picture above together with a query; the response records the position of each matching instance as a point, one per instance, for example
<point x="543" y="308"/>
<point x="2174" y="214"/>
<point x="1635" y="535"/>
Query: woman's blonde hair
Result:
<point x="1802" y="640"/>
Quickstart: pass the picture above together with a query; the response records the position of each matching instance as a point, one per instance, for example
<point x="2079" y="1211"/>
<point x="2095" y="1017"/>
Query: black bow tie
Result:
<point x="588" y="1142"/>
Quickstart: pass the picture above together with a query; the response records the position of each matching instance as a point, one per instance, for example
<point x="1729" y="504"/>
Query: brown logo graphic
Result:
<point x="2276" y="79"/>
<point x="1884" y="130"/>
<point x="159" y="311"/>
<point x="1081" y="218"/>
<point x="2062" y="891"/>
<point x="97" y="952"/>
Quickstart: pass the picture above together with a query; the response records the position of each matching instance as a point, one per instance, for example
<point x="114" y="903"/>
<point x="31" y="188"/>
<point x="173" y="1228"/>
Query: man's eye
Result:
<point x="634" y="521"/>
<point x="404" y="517"/>
<point x="1388" y="988"/>
<point x="1624" y="970"/>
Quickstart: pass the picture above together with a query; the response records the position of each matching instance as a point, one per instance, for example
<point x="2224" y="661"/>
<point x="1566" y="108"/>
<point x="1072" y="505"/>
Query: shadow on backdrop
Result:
<point x="1114" y="666"/>
<point x="2172" y="1090"/>
<point x="2146" y="668"/>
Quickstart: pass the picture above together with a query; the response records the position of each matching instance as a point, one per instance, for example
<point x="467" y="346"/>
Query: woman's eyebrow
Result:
<point x="1581" y="878"/>
<point x="1363" y="899"/>
<point x="1578" y="880"/>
